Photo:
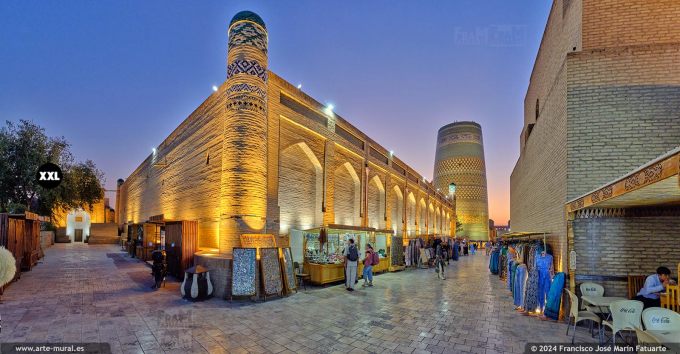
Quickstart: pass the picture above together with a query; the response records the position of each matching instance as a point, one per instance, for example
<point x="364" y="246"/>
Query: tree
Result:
<point x="459" y="226"/>
<point x="25" y="147"/>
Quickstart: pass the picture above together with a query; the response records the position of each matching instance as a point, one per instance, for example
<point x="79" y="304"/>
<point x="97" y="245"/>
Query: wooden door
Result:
<point x="78" y="237"/>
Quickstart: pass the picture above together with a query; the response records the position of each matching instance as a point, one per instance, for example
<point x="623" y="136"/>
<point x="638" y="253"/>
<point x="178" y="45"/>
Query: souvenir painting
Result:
<point x="271" y="271"/>
<point x="243" y="272"/>
<point x="288" y="269"/>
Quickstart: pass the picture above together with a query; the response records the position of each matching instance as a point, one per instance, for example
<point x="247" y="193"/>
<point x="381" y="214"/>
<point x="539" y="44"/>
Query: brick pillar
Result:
<point x="243" y="190"/>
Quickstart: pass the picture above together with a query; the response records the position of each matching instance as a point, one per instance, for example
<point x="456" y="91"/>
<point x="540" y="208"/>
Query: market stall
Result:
<point x="323" y="251"/>
<point x="382" y="241"/>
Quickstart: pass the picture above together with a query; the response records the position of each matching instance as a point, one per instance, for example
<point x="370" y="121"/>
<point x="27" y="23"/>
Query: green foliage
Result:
<point x="24" y="147"/>
<point x="459" y="227"/>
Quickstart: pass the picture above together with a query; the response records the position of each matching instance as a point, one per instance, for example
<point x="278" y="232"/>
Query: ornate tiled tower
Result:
<point x="243" y="191"/>
<point x="460" y="160"/>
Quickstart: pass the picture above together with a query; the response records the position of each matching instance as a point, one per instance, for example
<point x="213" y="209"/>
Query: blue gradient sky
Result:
<point x="116" y="77"/>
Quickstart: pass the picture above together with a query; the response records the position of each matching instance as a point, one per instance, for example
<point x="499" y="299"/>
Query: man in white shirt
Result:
<point x="351" y="254"/>
<point x="654" y="284"/>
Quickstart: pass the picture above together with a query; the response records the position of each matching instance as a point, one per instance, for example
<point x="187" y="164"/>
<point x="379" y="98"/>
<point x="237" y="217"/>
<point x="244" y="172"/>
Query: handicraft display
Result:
<point x="243" y="272"/>
<point x="397" y="251"/>
<point x="271" y="271"/>
<point x="288" y="269"/>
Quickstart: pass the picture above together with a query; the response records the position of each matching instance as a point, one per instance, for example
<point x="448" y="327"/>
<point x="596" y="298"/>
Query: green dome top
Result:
<point x="248" y="16"/>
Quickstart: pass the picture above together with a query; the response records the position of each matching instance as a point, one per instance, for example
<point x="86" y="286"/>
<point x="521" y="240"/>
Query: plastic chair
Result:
<point x="591" y="289"/>
<point x="626" y="316"/>
<point x="660" y="319"/>
<point x="645" y="338"/>
<point x="578" y="316"/>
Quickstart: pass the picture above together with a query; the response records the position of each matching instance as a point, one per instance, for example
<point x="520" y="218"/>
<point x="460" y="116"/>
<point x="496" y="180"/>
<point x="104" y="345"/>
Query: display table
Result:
<point x="325" y="273"/>
<point x="602" y="302"/>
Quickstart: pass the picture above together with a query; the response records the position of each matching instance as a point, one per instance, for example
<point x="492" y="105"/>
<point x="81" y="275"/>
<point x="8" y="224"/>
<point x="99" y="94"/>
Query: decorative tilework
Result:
<point x="247" y="88"/>
<point x="246" y="33"/>
<point x="459" y="138"/>
<point x="243" y="272"/>
<point x="271" y="271"/>
<point x="250" y="67"/>
<point x="288" y="269"/>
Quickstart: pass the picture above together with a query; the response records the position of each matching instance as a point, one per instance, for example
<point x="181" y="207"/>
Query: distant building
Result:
<point x="460" y="160"/>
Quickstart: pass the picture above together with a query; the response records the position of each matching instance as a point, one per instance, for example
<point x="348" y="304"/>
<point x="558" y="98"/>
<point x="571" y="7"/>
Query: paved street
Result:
<point x="98" y="294"/>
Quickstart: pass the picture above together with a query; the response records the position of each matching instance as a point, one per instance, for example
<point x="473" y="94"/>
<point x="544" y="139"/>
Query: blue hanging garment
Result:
<point x="520" y="281"/>
<point x="493" y="262"/>
<point x="552" y="307"/>
<point x="544" y="265"/>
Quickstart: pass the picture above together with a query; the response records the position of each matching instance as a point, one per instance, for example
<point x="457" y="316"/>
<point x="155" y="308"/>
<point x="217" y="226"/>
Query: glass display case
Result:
<point x="324" y="248"/>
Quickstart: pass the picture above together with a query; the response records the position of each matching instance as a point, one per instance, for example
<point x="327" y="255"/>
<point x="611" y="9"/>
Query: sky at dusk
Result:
<point x="116" y="77"/>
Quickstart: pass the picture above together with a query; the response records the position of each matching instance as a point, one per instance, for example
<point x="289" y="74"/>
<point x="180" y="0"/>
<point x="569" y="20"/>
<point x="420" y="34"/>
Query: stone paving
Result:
<point x="82" y="293"/>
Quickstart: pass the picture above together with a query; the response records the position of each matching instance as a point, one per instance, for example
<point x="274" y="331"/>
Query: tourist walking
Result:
<point x="439" y="262"/>
<point x="371" y="259"/>
<point x="351" y="264"/>
<point x="472" y="248"/>
<point x="487" y="247"/>
<point x="446" y="251"/>
<point x="456" y="250"/>
<point x="465" y="248"/>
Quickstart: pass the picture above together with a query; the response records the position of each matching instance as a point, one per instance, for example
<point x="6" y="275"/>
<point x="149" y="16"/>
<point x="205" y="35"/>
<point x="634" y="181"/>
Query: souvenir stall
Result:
<point x="323" y="247"/>
<point x="397" y="256"/>
<point x="381" y="241"/>
<point x="152" y="238"/>
<point x="413" y="251"/>
<point x="181" y="242"/>
<point x="20" y="235"/>
<point x="525" y="262"/>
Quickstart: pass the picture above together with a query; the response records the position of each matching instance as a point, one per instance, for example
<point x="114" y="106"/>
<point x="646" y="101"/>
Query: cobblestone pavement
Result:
<point x="98" y="294"/>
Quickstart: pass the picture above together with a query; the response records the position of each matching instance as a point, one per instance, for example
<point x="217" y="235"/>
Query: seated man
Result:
<point x="654" y="284"/>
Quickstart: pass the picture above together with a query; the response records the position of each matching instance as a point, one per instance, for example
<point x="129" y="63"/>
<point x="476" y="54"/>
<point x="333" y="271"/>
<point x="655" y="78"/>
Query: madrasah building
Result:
<point x="602" y="105"/>
<point x="259" y="156"/>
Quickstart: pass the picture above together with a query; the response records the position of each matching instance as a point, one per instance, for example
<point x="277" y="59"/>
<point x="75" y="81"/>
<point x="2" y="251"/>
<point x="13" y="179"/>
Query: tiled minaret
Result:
<point x="243" y="191"/>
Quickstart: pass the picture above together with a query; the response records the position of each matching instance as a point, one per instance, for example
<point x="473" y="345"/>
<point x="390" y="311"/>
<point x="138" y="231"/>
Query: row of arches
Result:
<point x="300" y="196"/>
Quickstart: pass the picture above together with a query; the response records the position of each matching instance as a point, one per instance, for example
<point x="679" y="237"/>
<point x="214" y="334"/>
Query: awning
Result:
<point x="655" y="183"/>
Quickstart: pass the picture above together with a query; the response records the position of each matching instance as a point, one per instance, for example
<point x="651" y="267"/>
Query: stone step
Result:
<point x="104" y="230"/>
<point x="103" y="240"/>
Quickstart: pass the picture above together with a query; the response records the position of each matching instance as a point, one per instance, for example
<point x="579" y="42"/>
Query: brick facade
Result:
<point x="315" y="168"/>
<point x="602" y="100"/>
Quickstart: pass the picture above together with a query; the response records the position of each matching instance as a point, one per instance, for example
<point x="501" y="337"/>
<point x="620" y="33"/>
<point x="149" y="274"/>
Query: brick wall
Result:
<point x="616" y="23"/>
<point x="622" y="246"/>
<point x="183" y="180"/>
<point x="623" y="110"/>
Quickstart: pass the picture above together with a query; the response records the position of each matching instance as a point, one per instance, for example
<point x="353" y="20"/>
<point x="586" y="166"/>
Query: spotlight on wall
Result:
<point x="214" y="88"/>
<point x="153" y="150"/>
<point x="329" y="109"/>
<point x="391" y="153"/>
<point x="299" y="86"/>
